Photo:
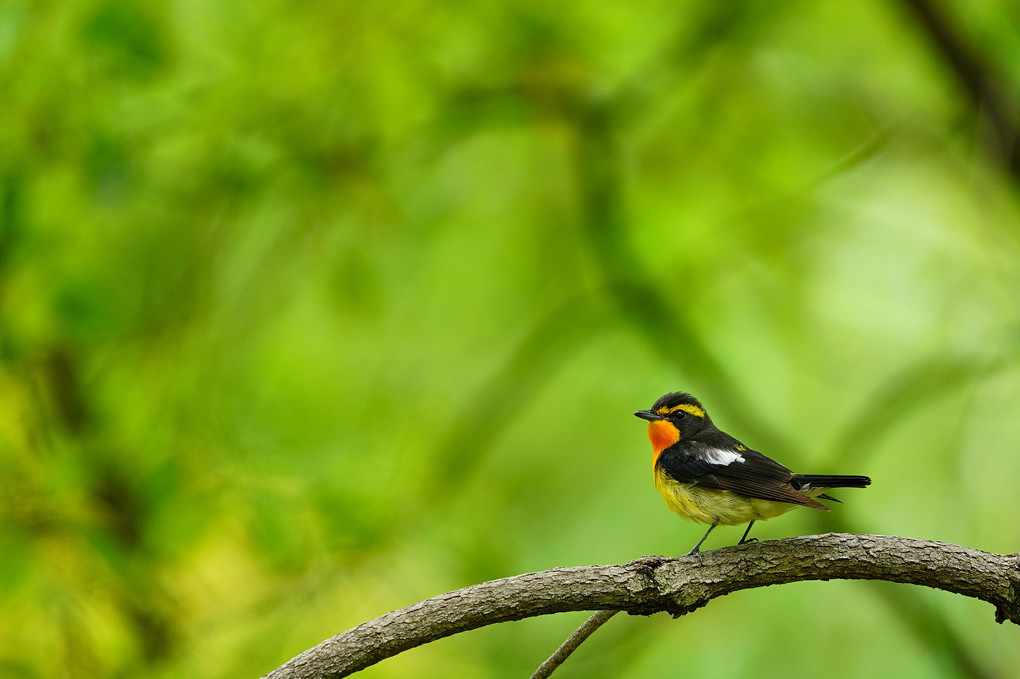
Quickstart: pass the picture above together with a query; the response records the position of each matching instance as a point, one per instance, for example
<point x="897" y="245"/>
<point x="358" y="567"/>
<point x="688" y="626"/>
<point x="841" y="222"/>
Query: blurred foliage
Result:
<point x="311" y="312"/>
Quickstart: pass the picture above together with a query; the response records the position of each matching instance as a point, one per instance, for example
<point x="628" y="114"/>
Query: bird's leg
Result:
<point x="696" y="549"/>
<point x="744" y="539"/>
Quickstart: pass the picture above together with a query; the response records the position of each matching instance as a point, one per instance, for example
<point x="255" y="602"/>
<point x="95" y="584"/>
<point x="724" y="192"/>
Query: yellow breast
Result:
<point x="707" y="505"/>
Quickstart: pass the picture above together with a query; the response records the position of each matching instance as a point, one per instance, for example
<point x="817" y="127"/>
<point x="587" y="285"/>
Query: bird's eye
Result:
<point x="679" y="415"/>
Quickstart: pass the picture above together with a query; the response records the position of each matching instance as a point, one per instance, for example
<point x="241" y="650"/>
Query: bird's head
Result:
<point x="674" y="416"/>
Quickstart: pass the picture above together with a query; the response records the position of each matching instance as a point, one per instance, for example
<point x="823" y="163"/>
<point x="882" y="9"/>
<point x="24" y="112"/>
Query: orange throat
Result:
<point x="662" y="435"/>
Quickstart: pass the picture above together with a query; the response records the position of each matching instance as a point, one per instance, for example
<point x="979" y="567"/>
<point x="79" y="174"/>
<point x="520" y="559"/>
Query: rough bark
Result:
<point x="674" y="585"/>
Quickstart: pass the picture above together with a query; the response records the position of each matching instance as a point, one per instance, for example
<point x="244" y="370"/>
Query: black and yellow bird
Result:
<point x="706" y="475"/>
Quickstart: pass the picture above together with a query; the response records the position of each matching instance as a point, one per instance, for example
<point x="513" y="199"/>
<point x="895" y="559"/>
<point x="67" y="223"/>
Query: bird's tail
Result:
<point x="804" y="482"/>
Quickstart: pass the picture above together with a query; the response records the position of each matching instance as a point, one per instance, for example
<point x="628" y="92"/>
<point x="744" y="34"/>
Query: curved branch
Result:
<point x="674" y="585"/>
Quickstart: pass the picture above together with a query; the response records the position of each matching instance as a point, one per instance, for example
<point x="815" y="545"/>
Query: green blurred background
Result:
<point x="309" y="312"/>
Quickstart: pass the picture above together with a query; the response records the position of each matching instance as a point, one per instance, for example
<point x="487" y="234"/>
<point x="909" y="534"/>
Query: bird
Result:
<point x="707" y="476"/>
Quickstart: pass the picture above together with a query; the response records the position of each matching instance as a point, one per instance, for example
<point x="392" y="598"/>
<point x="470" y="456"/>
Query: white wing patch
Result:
<point x="720" y="456"/>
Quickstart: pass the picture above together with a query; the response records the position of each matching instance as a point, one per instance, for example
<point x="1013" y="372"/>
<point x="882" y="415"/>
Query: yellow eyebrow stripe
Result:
<point x="686" y="407"/>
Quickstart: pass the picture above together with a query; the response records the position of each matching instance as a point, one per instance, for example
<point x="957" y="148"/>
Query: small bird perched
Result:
<point x="706" y="475"/>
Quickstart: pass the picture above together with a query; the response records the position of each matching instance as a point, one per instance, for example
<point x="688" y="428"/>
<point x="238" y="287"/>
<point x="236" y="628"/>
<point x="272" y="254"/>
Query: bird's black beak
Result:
<point x="647" y="415"/>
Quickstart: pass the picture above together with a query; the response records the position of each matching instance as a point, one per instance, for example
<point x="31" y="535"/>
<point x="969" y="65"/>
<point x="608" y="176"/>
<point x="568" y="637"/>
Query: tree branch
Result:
<point x="572" y="643"/>
<point x="674" y="585"/>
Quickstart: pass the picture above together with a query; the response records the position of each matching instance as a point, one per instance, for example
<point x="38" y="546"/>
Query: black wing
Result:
<point x="717" y="462"/>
